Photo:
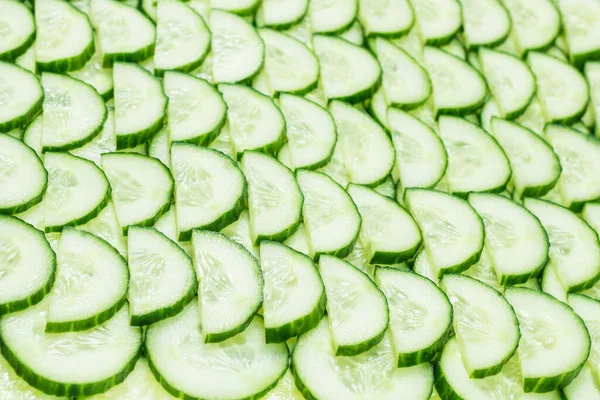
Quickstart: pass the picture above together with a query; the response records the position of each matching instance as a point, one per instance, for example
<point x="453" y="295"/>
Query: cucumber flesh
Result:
<point x="438" y="20"/>
<point x="485" y="23"/>
<point x="19" y="28"/>
<point x="21" y="97"/>
<point x="536" y="23"/>
<point x="332" y="16"/>
<point x="393" y="18"/>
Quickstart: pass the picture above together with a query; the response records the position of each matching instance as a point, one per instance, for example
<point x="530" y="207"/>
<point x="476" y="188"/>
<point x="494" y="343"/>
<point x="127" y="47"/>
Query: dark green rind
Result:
<point x="29" y="115"/>
<point x="12" y="54"/>
<point x="152" y="220"/>
<point x="285" y="25"/>
<point x="88" y="323"/>
<point x="585" y="285"/>
<point x="464" y="111"/>
<point x="391" y="35"/>
<point x="302" y="91"/>
<point x="135" y="57"/>
<point x="389" y="258"/>
<point x="442" y="386"/>
<point x="511" y="280"/>
<point x="364" y="94"/>
<point x="284" y="234"/>
<point x="246" y="11"/>
<point x="548" y="384"/>
<point x="579" y="59"/>
<point x="106" y="96"/>
<point x="358" y="348"/>
<point x="341" y="29"/>
<point x="71" y="63"/>
<point x="443" y="40"/>
<point x="425" y="355"/>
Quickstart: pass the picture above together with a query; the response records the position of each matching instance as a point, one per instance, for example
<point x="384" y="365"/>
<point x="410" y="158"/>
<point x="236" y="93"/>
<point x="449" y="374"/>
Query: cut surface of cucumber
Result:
<point x="77" y="191"/>
<point x="106" y="226"/>
<point x="385" y="18"/>
<point x="420" y="315"/>
<point x="331" y="219"/>
<point x="592" y="75"/>
<point x="580" y="20"/>
<point x="535" y="23"/>
<point x="13" y="386"/>
<point x="279" y="15"/>
<point x="19" y="29"/>
<point x="319" y="374"/>
<point x="21" y="96"/>
<point x="242" y="7"/>
<point x="452" y="230"/>
<point x="583" y="386"/>
<point x="241" y="367"/>
<point x="352" y="297"/>
<point x="294" y="295"/>
<point x="330" y="17"/>
<point x="438" y="20"/>
<point x="587" y="308"/>
<point x="485" y="23"/>
<point x="96" y="76"/>
<point x="104" y="142"/>
<point x="71" y="363"/>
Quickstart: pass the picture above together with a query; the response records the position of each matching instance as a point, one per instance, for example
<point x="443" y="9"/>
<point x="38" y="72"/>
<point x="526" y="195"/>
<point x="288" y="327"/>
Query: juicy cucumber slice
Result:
<point x="159" y="146"/>
<point x="592" y="75"/>
<point x="274" y="197"/>
<point x="587" y="308"/>
<point x="255" y="122"/>
<point x="485" y="325"/>
<point x="231" y="285"/>
<point x="64" y="36"/>
<point x="210" y="188"/>
<point x="242" y="7"/>
<point x="581" y="29"/>
<point x="106" y="226"/>
<point x="485" y="23"/>
<point x="238" y="52"/>
<point x="452" y="230"/>
<point x="561" y="89"/>
<point x="27" y="265"/>
<point x="405" y="83"/>
<point x="21" y="96"/>
<point x="388" y="232"/>
<point x="352" y="299"/>
<point x="458" y="89"/>
<point x="96" y="76"/>
<point x="14" y="387"/>
<point x="142" y="188"/>
<point x="476" y="163"/>
<point x="330" y="17"/>
<point x="331" y="219"/>
<point x="74" y="113"/>
<point x="19" y="30"/>
<point x="182" y="38"/>
<point x="514" y="238"/>
<point x="105" y="142"/>
<point x="77" y="191"/>
<point x="535" y="167"/>
<point x="140" y="105"/>
<point x="583" y="386"/>
<point x="367" y="151"/>
<point x="438" y="20"/>
<point x="377" y="108"/>
<point x="241" y="367"/>
<point x="574" y="247"/>
<point x="554" y="342"/>
<point x="239" y="231"/>
<point x="354" y="34"/>
<point x="24" y="178"/>
<point x="290" y="65"/>
<point x="294" y="295"/>
<point x="285" y="389"/>
<point x="578" y="154"/>
<point x="536" y="23"/>
<point x="391" y="19"/>
<point x="420" y="315"/>
<point x="281" y="15"/>
<point x="348" y="72"/>
<point x="421" y="158"/>
<point x="70" y="363"/>
<point x="319" y="374"/>
<point x="124" y="32"/>
<point x="511" y="82"/>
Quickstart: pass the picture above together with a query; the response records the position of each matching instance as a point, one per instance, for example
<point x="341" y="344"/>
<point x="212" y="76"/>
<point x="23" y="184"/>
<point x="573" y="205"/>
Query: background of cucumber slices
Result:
<point x="319" y="199"/>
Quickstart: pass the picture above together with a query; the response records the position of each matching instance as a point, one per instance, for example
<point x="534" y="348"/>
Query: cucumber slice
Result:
<point x="455" y="48"/>
<point x="255" y="122"/>
<point x="578" y="154"/>
<point x="377" y="108"/>
<point x="319" y="374"/>
<point x="159" y="146"/>
<point x="27" y="60"/>
<point x="574" y="247"/>
<point x="458" y="89"/>
<point x="239" y="231"/>
<point x="142" y="188"/>
<point x="385" y="18"/>
<point x="274" y="197"/>
<point x="331" y="219"/>
<point x="354" y="34"/>
<point x="23" y="177"/>
<point x="242" y="7"/>
<point x="484" y="271"/>
<point x="21" y="96"/>
<point x="210" y="188"/>
<point x="420" y="315"/>
<point x="294" y="294"/>
<point x="64" y="36"/>
<point x="153" y="260"/>
<point x="124" y="32"/>
<point x="515" y="239"/>
<point x="421" y="158"/>
<point x="367" y="151"/>
<point x="554" y="342"/>
<point x="535" y="167"/>
<point x="332" y="16"/>
<point x="551" y="284"/>
<point x="241" y="367"/>
<point x="588" y="309"/>
<point x="510" y="80"/>
<point x="335" y="168"/>
<point x="298" y="241"/>
<point x="485" y="325"/>
<point x="182" y="38"/>
<point x="285" y="389"/>
<point x="452" y="230"/>
<point x="231" y="285"/>
<point x="390" y="235"/>
<point x="140" y="105"/>
<point x="405" y="83"/>
<point x="281" y="15"/>
<point x="387" y="188"/>
<point x="310" y="131"/>
<point x="106" y="226"/>
<point x="74" y="113"/>
<point x="583" y="386"/>
<point x="18" y="32"/>
<point x="562" y="90"/>
<point x="105" y="142"/>
<point x="290" y="66"/>
<point x="348" y="72"/>
<point x="485" y="23"/>
<point x="536" y="23"/>
<point x="476" y="163"/>
<point x="77" y="191"/>
<point x="592" y="75"/>
<point x="438" y="20"/>
<point x="27" y="266"/>
<point x="352" y="299"/>
<point x="581" y="29"/>
<point x="238" y="52"/>
<point x="13" y="386"/>
<point x="96" y="76"/>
